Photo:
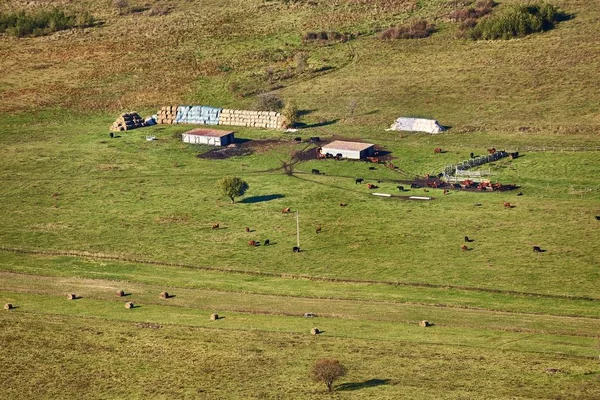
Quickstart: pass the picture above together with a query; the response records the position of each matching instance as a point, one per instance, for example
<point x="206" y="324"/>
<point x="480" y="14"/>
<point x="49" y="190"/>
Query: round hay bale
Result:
<point x="8" y="306"/>
<point x="315" y="331"/>
<point x="120" y="293"/>
<point x="164" y="295"/>
<point x="129" y="304"/>
<point x="71" y="296"/>
<point x="214" y="317"/>
<point x="424" y="324"/>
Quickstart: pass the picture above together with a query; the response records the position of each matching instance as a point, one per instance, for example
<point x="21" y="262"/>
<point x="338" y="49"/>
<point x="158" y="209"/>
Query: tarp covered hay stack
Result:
<point x="257" y="119"/>
<point x="417" y="125"/>
<point x="198" y="115"/>
<point x="167" y="115"/>
<point x="127" y="121"/>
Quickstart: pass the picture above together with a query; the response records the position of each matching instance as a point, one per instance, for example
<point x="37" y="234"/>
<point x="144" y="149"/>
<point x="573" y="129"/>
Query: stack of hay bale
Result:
<point x="127" y="121"/>
<point x="258" y="119"/>
<point x="167" y="115"/>
<point x="198" y="115"/>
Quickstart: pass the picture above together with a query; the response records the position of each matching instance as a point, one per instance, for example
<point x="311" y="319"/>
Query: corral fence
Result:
<point x="456" y="172"/>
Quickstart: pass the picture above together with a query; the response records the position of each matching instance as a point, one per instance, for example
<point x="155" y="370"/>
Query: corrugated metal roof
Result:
<point x="208" y="132"/>
<point x="342" y="145"/>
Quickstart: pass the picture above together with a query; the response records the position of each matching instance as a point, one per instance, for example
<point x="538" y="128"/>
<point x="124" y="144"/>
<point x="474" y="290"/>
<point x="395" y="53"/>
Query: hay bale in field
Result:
<point x="72" y="296"/>
<point x="315" y="331"/>
<point x="214" y="317"/>
<point x="8" y="306"/>
<point x="129" y="304"/>
<point x="164" y="295"/>
<point x="425" y="324"/>
<point x="120" y="293"/>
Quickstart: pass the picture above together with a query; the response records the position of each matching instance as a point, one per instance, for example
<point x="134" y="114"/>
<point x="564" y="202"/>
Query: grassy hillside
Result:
<point x="89" y="215"/>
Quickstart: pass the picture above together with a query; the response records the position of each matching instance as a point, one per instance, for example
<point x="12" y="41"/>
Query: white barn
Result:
<point x="417" y="125"/>
<point x="353" y="150"/>
<point x="212" y="137"/>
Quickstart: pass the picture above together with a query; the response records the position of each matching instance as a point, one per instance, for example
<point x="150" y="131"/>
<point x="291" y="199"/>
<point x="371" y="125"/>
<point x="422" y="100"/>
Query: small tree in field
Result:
<point x="233" y="187"/>
<point x="327" y="370"/>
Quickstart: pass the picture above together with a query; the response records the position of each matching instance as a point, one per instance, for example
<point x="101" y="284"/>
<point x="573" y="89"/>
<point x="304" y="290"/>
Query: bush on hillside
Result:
<point x="481" y="8"/>
<point x="517" y="21"/>
<point x="416" y="30"/>
<point x="44" y="22"/>
<point x="268" y="102"/>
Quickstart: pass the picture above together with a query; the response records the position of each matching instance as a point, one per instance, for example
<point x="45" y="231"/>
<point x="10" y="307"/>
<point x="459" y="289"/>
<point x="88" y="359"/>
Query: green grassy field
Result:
<point x="86" y="214"/>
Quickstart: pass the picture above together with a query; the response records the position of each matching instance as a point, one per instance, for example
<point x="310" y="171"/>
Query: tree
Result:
<point x="233" y="187"/>
<point x="327" y="370"/>
<point x="290" y="112"/>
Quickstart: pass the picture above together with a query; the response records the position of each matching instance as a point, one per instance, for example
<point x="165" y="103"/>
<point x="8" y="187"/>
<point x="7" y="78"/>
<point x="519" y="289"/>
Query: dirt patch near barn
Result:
<point x="243" y="147"/>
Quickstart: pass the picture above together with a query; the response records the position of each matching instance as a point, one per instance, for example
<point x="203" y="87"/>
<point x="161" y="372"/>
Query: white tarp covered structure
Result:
<point x="417" y="125"/>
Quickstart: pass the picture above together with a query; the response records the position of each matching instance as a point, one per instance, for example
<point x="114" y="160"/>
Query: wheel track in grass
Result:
<point x="97" y="256"/>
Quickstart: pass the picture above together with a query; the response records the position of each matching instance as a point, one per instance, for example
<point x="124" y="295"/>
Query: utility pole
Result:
<point x="298" y="228"/>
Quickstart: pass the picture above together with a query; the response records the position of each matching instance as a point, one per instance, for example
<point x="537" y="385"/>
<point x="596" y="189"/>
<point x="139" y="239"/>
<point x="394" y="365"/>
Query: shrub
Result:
<point x="21" y="24"/>
<point x="517" y="21"/>
<point x="480" y="9"/>
<point x="290" y="112"/>
<point x="268" y="102"/>
<point x="416" y="30"/>
<point x="327" y="371"/>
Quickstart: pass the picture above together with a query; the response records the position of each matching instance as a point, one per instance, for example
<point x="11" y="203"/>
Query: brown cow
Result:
<point x="372" y="186"/>
<point x="252" y="243"/>
<point x="285" y="210"/>
<point x="507" y="205"/>
<point x="247" y="229"/>
<point x="437" y="150"/>
<point x="215" y="226"/>
<point x="318" y="230"/>
<point x="492" y="150"/>
<point x="464" y="248"/>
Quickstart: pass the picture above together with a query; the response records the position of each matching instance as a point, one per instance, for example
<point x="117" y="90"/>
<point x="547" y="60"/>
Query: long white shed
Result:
<point x="212" y="137"/>
<point x="353" y="150"/>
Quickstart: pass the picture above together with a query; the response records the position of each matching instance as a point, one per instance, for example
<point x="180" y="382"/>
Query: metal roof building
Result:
<point x="212" y="137"/>
<point x="353" y="150"/>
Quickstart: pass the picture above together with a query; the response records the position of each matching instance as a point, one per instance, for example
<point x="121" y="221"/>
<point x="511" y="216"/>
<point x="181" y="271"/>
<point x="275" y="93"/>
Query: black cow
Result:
<point x="358" y="180"/>
<point x="520" y="194"/>
<point x="400" y="188"/>
<point x="472" y="155"/>
<point x="537" y="249"/>
<point x="315" y="139"/>
<point x="468" y="240"/>
<point x="372" y="168"/>
<point x="597" y="217"/>
<point x="315" y="171"/>
<point x="267" y="242"/>
<point x="414" y="186"/>
<point x="296" y="249"/>
<point x="112" y="135"/>
<point x="298" y="139"/>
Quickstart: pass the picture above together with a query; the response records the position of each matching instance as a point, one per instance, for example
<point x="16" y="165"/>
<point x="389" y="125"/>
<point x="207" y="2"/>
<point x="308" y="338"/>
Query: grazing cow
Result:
<point x="537" y="249"/>
<point x="267" y="242"/>
<point x="252" y="243"/>
<point x="285" y="210"/>
<point x="445" y="191"/>
<point x="597" y="217"/>
<point x="315" y="171"/>
<point x="297" y="139"/>
<point x="400" y="188"/>
<point x="437" y="150"/>
<point x="338" y="156"/>
<point x="358" y="180"/>
<point x="414" y="186"/>
<point x="247" y="229"/>
<point x="318" y="230"/>
<point x="472" y="155"/>
<point x="507" y="205"/>
<point x="514" y="155"/>
<point x="372" y="186"/>
<point x="372" y="168"/>
<point x="426" y="191"/>
<point x="112" y="135"/>
<point x="492" y="150"/>
<point x="315" y="139"/>
<point x="464" y="248"/>
<point x="296" y="249"/>
<point x="520" y="194"/>
<point x="343" y="204"/>
<point x="467" y="240"/>
<point x="215" y="226"/>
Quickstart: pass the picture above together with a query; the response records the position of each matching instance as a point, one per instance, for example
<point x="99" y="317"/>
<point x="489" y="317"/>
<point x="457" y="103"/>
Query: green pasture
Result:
<point x="86" y="214"/>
